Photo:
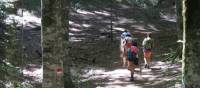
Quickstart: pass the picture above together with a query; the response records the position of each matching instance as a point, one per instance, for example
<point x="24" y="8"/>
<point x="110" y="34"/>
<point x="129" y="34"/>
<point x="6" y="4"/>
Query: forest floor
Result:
<point x="160" y="75"/>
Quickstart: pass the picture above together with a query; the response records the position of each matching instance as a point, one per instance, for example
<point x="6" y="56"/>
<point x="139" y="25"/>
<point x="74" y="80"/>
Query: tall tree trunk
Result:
<point x="55" y="43"/>
<point x="111" y="21"/>
<point x="179" y="18"/>
<point x="191" y="33"/>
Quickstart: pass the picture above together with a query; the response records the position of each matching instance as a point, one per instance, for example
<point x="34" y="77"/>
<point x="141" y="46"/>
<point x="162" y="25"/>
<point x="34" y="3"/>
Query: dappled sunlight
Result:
<point x="74" y="24"/>
<point x="124" y="6"/>
<point x="120" y="86"/>
<point x="102" y="73"/>
<point x="74" y="39"/>
<point x="30" y="17"/>
<point x="86" y="25"/>
<point x="71" y="22"/>
<point x="139" y="27"/>
<point x="152" y="27"/>
<point x="71" y="34"/>
<point x="74" y="29"/>
<point x="102" y="13"/>
<point x="35" y="72"/>
<point x="119" y="29"/>
<point x="9" y="3"/>
<point x="123" y="20"/>
<point x="168" y="17"/>
<point x="84" y="12"/>
<point x="29" y="20"/>
<point x="27" y="17"/>
<point x="119" y="77"/>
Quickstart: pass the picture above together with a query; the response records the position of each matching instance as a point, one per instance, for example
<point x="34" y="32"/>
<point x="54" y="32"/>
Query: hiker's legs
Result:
<point x="124" y="61"/>
<point x="149" y="58"/>
<point x="145" y="60"/>
<point x="148" y="62"/>
<point x="122" y="58"/>
<point x="132" y="76"/>
<point x="131" y="68"/>
<point x="122" y="55"/>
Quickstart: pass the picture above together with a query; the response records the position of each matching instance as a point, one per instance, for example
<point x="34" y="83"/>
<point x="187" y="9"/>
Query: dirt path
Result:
<point x="161" y="75"/>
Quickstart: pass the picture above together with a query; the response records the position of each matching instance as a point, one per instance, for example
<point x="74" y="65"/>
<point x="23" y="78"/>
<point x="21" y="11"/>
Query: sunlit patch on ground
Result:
<point x="35" y="72"/>
<point x="26" y="18"/>
<point x="84" y="12"/>
<point x="168" y="17"/>
<point x="102" y="13"/>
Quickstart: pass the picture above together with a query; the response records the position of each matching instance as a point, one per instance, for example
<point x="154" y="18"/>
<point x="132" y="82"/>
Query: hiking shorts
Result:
<point x="134" y="60"/>
<point x="147" y="53"/>
<point x="131" y="66"/>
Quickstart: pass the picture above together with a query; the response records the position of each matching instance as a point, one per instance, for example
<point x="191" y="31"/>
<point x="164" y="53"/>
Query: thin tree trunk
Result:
<point x="179" y="18"/>
<point x="111" y="21"/>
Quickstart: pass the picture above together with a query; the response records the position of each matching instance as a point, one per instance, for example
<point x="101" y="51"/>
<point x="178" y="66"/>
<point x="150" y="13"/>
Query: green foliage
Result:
<point x="92" y="3"/>
<point x="2" y="11"/>
<point x="143" y="3"/>
<point x="9" y="72"/>
<point x="173" y="55"/>
<point x="2" y="26"/>
<point x="32" y="4"/>
<point x="23" y="85"/>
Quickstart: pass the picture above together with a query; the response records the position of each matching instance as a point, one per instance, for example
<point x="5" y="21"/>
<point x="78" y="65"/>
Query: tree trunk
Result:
<point x="191" y="33"/>
<point x="55" y="43"/>
<point x="179" y="18"/>
<point x="111" y="22"/>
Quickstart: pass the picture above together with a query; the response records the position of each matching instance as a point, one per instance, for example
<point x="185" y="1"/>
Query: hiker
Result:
<point x="132" y="57"/>
<point x="124" y="36"/>
<point x="147" y="50"/>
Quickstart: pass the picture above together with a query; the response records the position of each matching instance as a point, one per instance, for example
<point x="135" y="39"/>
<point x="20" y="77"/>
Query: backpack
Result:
<point x="131" y="52"/>
<point x="134" y="49"/>
<point x="148" y="44"/>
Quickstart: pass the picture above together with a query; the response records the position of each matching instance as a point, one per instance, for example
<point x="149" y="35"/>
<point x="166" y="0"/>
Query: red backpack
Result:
<point x="134" y="49"/>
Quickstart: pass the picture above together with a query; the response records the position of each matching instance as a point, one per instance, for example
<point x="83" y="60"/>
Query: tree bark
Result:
<point x="55" y="43"/>
<point x="179" y="18"/>
<point x="191" y="35"/>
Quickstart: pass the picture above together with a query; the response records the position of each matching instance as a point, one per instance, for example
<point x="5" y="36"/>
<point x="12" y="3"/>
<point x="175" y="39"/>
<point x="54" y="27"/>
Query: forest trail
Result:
<point x="160" y="75"/>
<point x="96" y="57"/>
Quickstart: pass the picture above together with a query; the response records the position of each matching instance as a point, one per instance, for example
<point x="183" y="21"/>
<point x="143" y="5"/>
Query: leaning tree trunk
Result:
<point x="191" y="46"/>
<point x="55" y="43"/>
